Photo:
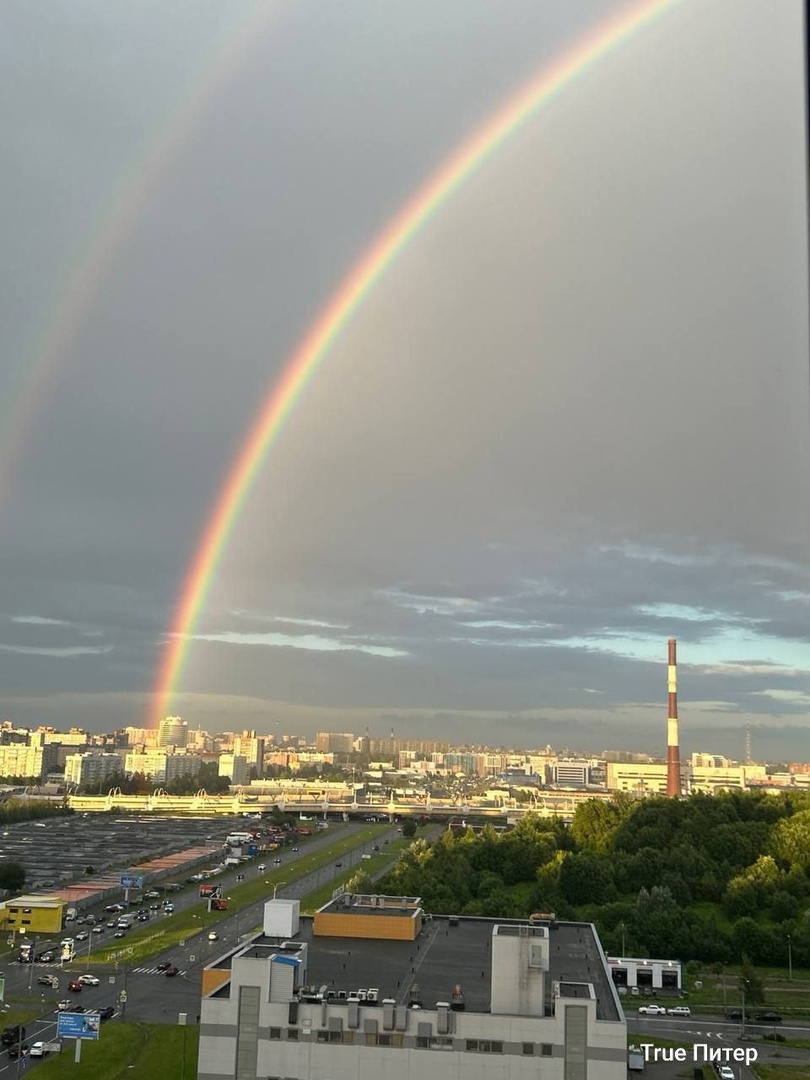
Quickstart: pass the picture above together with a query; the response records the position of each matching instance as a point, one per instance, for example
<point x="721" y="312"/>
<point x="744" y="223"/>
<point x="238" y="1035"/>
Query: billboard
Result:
<point x="71" y="1025"/>
<point x="131" y="881"/>
<point x="210" y="890"/>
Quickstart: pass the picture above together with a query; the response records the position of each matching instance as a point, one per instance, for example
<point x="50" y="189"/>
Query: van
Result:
<point x="365" y="856"/>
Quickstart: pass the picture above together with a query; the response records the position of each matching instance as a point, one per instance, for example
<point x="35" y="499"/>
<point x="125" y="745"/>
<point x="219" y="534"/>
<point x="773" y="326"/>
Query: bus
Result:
<point x="68" y="949"/>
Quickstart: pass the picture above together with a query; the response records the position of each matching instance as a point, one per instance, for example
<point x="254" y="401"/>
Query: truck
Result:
<point x="71" y="914"/>
<point x="126" y="921"/>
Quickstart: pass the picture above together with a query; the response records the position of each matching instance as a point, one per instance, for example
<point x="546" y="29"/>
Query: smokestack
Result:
<point x="673" y="747"/>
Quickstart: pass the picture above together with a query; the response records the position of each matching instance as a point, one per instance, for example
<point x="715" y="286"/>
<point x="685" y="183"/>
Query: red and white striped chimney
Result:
<point x="673" y="746"/>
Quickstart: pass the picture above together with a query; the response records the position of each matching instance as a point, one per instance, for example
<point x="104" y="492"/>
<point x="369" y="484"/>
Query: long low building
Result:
<point x="445" y="997"/>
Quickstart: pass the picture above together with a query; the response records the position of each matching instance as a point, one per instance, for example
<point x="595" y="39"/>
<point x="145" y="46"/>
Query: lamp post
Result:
<point x="621" y="924"/>
<point x="790" y="960"/>
<point x="277" y="885"/>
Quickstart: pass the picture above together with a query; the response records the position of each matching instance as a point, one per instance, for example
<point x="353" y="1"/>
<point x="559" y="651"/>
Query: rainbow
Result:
<point x="113" y="228"/>
<point x="352" y="292"/>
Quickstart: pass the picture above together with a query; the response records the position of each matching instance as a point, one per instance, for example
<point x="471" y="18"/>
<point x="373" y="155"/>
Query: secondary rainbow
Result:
<point x="115" y="224"/>
<point x="354" y="289"/>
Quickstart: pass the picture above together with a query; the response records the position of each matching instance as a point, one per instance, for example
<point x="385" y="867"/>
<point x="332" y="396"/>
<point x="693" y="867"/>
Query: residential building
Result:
<point x="236" y="768"/>
<point x="85" y="769"/>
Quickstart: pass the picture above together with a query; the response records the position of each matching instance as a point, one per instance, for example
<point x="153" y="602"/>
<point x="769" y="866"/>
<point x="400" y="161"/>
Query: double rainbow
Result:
<point x="353" y="291"/>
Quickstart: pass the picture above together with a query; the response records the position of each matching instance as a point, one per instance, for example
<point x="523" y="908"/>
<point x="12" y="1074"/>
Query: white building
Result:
<point x="91" y="768"/>
<point x="333" y="998"/>
<point x="162" y="766"/>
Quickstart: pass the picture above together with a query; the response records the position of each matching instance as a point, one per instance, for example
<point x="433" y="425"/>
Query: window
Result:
<point x="422" y="1042"/>
<point x="528" y="1048"/>
<point x="546" y="1049"/>
<point x="275" y="1033"/>
<point x="292" y="1034"/>
<point x="330" y="1036"/>
<point x="485" y="1046"/>
<point x="441" y="1042"/>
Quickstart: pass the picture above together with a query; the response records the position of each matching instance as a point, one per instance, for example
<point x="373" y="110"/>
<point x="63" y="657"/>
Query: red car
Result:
<point x="75" y="985"/>
<point x="170" y="971"/>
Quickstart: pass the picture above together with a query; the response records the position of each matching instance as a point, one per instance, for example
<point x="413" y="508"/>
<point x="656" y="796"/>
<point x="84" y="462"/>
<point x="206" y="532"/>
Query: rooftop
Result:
<point x="442" y="957"/>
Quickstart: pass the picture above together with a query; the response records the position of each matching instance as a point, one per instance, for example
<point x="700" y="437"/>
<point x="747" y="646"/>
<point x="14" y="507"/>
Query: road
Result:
<point x="716" y="1035"/>
<point x="150" y="996"/>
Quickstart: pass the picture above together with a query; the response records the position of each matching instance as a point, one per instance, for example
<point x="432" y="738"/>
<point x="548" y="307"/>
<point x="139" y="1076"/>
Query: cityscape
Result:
<point x="404" y="515"/>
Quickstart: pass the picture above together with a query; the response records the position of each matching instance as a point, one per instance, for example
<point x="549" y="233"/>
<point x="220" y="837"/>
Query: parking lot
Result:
<point x="61" y="851"/>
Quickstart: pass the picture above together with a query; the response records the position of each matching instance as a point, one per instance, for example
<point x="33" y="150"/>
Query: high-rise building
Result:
<point x="84" y="769"/>
<point x="236" y="768"/>
<point x="173" y="732"/>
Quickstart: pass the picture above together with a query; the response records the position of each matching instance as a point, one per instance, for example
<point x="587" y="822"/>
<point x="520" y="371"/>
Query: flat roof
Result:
<point x="441" y="957"/>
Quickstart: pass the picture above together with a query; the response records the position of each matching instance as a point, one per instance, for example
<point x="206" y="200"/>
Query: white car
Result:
<point x="725" y="1072"/>
<point x="213" y="936"/>
<point x="652" y="1010"/>
<point x="261" y="867"/>
<point x="37" y="1049"/>
<point x="88" y="980"/>
<point x="680" y="1010"/>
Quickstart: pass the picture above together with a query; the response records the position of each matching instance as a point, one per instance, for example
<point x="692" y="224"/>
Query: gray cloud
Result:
<point x="569" y="423"/>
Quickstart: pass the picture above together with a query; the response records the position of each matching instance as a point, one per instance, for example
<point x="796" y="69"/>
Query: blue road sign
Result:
<point x="131" y="881"/>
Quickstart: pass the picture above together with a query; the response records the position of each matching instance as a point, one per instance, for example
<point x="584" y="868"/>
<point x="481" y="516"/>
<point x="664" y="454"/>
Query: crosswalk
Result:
<point x="152" y="971"/>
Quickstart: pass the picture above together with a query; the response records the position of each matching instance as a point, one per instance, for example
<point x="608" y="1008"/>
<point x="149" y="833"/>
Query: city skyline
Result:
<point x="569" y="422"/>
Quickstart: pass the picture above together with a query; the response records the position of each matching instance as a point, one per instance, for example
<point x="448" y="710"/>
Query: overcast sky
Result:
<point x="570" y="422"/>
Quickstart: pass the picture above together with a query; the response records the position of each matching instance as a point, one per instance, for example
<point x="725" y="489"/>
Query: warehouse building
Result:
<point x="412" y="997"/>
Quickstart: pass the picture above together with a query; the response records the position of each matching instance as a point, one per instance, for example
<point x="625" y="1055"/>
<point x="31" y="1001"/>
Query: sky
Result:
<point x="569" y="422"/>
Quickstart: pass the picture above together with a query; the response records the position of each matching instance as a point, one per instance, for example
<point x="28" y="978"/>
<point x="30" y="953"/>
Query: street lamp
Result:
<point x="277" y="885"/>
<point x="790" y="960"/>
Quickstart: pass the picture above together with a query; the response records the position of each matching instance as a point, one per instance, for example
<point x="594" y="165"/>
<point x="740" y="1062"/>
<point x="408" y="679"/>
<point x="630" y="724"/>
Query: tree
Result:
<point x="751" y="984"/>
<point x="12" y="876"/>
<point x="409" y="827"/>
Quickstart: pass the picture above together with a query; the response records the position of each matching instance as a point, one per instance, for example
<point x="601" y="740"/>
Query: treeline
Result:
<point x="12" y="810"/>
<point x="712" y="878"/>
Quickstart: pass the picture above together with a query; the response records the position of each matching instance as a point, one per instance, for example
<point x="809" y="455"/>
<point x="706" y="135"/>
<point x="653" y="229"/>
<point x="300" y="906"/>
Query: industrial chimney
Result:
<point x="673" y="747"/>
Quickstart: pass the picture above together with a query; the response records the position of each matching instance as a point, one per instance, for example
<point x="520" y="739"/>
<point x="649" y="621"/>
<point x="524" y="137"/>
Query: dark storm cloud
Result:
<point x="569" y="423"/>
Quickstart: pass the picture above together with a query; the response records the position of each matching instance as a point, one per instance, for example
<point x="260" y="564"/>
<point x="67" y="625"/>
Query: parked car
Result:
<point x="171" y="971"/>
<point x="652" y="1010"/>
<point x="88" y="980"/>
<point x="769" y="1018"/>
<point x="75" y="986"/>
<point x="680" y="1010"/>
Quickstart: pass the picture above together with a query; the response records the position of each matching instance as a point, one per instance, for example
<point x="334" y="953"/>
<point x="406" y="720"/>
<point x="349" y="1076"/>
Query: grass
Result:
<point x="135" y="1051"/>
<point x="375" y="865"/>
<point x="781" y="1072"/>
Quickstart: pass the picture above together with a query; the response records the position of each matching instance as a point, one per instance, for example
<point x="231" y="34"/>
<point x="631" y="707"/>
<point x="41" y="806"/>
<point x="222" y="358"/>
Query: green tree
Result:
<point x="12" y="876"/>
<point x="409" y="827"/>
